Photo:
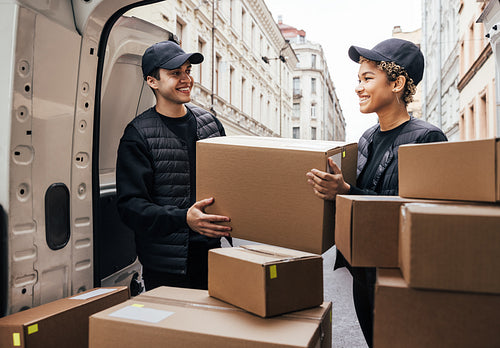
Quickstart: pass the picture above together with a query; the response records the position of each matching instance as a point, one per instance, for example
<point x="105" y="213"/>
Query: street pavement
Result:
<point x="338" y="290"/>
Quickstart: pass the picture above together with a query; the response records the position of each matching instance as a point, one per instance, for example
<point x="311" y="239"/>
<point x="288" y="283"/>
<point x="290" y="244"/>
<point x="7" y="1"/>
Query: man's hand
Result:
<point x="206" y="224"/>
<point x="325" y="185"/>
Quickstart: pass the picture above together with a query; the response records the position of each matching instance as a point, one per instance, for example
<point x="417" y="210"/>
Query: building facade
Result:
<point x="477" y="76"/>
<point x="440" y="96"/>
<point x="490" y="19"/>
<point x="316" y="109"/>
<point x="249" y="94"/>
<point x="459" y="93"/>
<point x="415" y="107"/>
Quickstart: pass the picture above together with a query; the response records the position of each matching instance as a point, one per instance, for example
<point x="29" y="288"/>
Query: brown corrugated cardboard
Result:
<point x="406" y="317"/>
<point x="451" y="247"/>
<point x="191" y="318"/>
<point x="260" y="183"/>
<point x="465" y="170"/>
<point x="62" y="323"/>
<point x="367" y="228"/>
<point x="266" y="280"/>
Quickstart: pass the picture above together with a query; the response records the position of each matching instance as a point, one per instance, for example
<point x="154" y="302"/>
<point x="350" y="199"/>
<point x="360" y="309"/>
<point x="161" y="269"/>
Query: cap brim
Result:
<point x="356" y="52"/>
<point x="174" y="63"/>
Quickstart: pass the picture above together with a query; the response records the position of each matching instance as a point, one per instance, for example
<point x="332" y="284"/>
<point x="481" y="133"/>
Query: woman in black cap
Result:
<point x="388" y="76"/>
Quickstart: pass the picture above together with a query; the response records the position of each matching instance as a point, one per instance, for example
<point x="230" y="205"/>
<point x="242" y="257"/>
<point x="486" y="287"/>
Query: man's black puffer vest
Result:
<point x="412" y="133"/>
<point x="168" y="252"/>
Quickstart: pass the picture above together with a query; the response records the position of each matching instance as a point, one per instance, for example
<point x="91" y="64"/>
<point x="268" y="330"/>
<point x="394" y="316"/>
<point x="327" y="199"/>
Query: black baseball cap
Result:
<point x="402" y="52"/>
<point x="167" y="55"/>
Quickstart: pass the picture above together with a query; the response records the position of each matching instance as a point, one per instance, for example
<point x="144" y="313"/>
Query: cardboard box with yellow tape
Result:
<point x="61" y="323"/>
<point x="266" y="280"/>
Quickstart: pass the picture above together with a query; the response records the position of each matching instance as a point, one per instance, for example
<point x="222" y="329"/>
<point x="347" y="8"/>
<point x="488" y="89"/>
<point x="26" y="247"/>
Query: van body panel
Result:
<point x="48" y="124"/>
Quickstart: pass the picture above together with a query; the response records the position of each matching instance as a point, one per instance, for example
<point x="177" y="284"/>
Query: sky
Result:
<point x="338" y="24"/>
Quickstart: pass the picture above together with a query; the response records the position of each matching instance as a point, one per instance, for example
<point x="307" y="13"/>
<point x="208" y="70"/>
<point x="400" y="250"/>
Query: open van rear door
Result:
<point x="59" y="121"/>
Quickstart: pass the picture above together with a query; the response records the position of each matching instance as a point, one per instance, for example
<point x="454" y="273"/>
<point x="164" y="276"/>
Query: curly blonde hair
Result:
<point x="392" y="70"/>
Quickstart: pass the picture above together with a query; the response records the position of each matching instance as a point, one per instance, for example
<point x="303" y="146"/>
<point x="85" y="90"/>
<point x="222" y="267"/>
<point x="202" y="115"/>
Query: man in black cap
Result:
<point x="155" y="175"/>
<point x="388" y="75"/>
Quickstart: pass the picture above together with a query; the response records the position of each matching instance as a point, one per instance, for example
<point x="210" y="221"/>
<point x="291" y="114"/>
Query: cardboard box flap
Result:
<point x="267" y="254"/>
<point x="390" y="277"/>
<point x="276" y="143"/>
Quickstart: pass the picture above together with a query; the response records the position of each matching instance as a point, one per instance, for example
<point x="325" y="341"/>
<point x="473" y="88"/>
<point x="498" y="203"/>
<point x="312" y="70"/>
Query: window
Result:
<point x="231" y="12"/>
<point x="461" y="126"/>
<point x="471" y="46"/>
<point x="252" y="103"/>
<point x="243" y="94"/>
<point x="252" y="37"/>
<point x="313" y="110"/>
<point x="231" y="84"/>
<point x="261" y="107"/>
<point x="483" y="117"/>
<point x="201" y="49"/>
<point x="471" y="126"/>
<point x="179" y="29"/>
<point x="313" y="133"/>
<point x="296" y="110"/>
<point x="313" y="61"/>
<point x="296" y="132"/>
<point x="296" y="85"/>
<point x="313" y="85"/>
<point x="217" y="70"/>
<point x="243" y="22"/>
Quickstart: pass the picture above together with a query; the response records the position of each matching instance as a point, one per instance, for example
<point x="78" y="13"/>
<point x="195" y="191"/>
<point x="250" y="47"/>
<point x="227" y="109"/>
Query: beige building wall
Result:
<point x="477" y="76"/>
<point x="415" y="107"/>
<point x="249" y="96"/>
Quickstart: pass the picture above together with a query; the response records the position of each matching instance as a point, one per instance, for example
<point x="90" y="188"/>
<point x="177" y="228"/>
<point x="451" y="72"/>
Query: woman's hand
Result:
<point x="325" y="185"/>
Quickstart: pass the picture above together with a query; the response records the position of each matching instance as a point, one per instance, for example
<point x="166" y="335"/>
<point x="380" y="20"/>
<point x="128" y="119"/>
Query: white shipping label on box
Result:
<point x="91" y="294"/>
<point x="138" y="312"/>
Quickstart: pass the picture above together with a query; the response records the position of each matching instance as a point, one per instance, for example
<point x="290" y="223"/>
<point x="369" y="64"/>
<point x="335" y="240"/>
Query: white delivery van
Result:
<point x="70" y="81"/>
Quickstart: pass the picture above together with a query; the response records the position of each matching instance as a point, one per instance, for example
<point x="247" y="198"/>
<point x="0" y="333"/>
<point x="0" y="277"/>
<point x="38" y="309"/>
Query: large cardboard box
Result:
<point x="465" y="170"/>
<point x="406" y="317"/>
<point x="451" y="247"/>
<point x="191" y="318"/>
<point x="367" y="228"/>
<point x="266" y="280"/>
<point x="62" y="323"/>
<point x="261" y="184"/>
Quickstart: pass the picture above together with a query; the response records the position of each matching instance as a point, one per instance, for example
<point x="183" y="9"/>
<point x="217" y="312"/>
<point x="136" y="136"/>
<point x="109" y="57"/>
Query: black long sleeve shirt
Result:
<point x="135" y="173"/>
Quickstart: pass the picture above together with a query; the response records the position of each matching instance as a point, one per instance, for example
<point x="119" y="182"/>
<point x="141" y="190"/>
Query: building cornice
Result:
<point x="483" y="57"/>
<point x="268" y="23"/>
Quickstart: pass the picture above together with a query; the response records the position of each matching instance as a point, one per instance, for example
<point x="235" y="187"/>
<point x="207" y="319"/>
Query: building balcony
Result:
<point x="297" y="93"/>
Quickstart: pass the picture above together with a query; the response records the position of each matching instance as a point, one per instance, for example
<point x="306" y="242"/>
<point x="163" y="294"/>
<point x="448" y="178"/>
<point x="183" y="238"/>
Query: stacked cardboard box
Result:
<point x="177" y="317"/>
<point x="367" y="228"/>
<point x="260" y="183"/>
<point x="446" y="292"/>
<point x="62" y="323"/>
<point x="408" y="317"/>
